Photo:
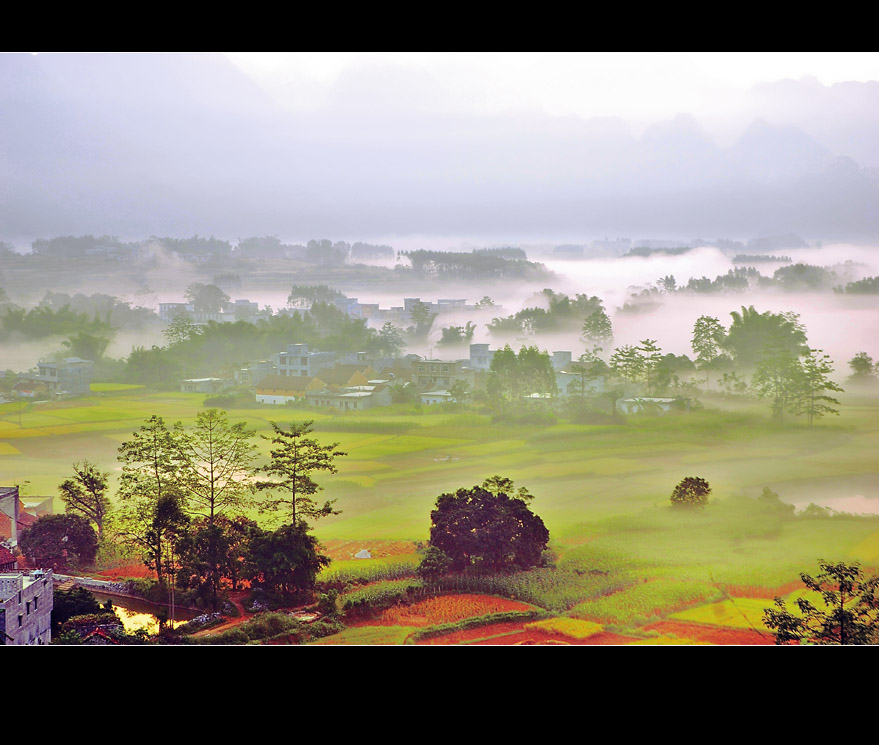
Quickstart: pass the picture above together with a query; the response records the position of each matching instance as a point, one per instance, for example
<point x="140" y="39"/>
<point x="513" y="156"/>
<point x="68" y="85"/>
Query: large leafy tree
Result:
<point x="486" y="527"/>
<point x="294" y="458"/>
<point x="847" y="613"/>
<point x="597" y="328"/>
<point x="751" y="333"/>
<point x="285" y="561"/>
<point x="206" y="298"/>
<point x="60" y="541"/>
<point x="778" y="377"/>
<point x="86" y="493"/>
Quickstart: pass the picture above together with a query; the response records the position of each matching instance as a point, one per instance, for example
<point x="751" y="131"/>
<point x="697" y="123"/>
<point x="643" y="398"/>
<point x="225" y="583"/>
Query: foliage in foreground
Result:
<point x="850" y="613"/>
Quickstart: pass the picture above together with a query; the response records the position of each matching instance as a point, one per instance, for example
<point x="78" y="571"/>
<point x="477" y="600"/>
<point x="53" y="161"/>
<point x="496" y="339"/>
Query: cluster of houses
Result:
<point x="356" y="381"/>
<point x="401" y="315"/>
<point x="70" y="376"/>
<point x="374" y="315"/>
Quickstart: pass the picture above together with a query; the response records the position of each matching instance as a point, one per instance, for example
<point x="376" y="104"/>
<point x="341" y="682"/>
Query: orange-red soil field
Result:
<point x="443" y="609"/>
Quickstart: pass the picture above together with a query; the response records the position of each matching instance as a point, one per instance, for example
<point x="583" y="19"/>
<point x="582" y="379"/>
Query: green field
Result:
<point x="603" y="491"/>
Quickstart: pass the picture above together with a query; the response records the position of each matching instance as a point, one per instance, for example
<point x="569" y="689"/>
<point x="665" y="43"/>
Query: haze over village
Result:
<point x="432" y="349"/>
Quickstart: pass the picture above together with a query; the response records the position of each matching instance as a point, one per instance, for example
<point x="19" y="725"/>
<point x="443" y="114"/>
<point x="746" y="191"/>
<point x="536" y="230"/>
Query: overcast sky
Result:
<point x="639" y="87"/>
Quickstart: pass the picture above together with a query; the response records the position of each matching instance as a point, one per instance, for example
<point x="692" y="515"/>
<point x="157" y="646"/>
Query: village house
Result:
<point x="437" y="397"/>
<point x="203" y="385"/>
<point x="280" y="389"/>
<point x="349" y="398"/>
<point x="71" y="376"/>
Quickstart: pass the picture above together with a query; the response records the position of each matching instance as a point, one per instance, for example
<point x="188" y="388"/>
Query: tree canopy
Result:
<point x="847" y="612"/>
<point x="487" y="527"/>
<point x="60" y="541"/>
<point x="692" y="491"/>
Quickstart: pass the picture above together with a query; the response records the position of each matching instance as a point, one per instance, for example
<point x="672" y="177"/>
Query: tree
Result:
<point x="390" y="340"/>
<point x="285" y="561"/>
<point x="181" y="329"/>
<point x="86" y="493"/>
<point x="513" y="376"/>
<point x="691" y="492"/>
<point x="597" y="328"/>
<point x="751" y="333"/>
<point x="589" y="367"/>
<point x="627" y="363"/>
<point x="460" y="391"/>
<point x="151" y="491"/>
<point x="850" y="613"/>
<point x="813" y="381"/>
<point x="206" y="298"/>
<point x="215" y="464"/>
<point x="707" y="342"/>
<point x="60" y="541"/>
<point x="77" y="601"/>
<point x="486" y="528"/>
<point x="651" y="355"/>
<point x="434" y="564"/>
<point x="422" y="319"/>
<point x="293" y="461"/>
<point x="779" y="377"/>
<point x="863" y="370"/>
<point x="216" y="475"/>
<point x="453" y="336"/>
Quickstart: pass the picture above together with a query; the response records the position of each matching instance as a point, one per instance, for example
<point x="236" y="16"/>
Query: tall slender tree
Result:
<point x="150" y="495"/>
<point x="294" y="459"/>
<point x="813" y="381"/>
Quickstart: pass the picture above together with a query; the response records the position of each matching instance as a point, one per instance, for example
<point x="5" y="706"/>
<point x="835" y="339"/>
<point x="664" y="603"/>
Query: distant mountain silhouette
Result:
<point x="176" y="144"/>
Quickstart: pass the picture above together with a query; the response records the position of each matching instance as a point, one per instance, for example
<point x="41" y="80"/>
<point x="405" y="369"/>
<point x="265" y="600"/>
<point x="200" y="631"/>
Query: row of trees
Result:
<point x="773" y="347"/>
<point x="182" y="499"/>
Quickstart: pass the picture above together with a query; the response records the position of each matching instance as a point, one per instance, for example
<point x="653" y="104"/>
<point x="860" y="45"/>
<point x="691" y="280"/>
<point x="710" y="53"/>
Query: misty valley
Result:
<point x="692" y="426"/>
<point x="439" y="349"/>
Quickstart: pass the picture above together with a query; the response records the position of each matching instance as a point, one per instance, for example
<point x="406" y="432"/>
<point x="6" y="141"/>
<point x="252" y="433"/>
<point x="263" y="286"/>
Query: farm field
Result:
<point x="621" y="557"/>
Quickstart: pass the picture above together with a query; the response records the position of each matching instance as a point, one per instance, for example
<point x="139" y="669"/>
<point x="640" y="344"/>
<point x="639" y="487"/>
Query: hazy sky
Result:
<point x="637" y="86"/>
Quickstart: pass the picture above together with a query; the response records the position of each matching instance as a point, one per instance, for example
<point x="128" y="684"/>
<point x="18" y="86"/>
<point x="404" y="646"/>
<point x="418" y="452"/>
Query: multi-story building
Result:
<point x="26" y="607"/>
<point x="72" y="375"/>
<point x="297" y="360"/>
<point x="481" y="357"/>
<point x="438" y="374"/>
